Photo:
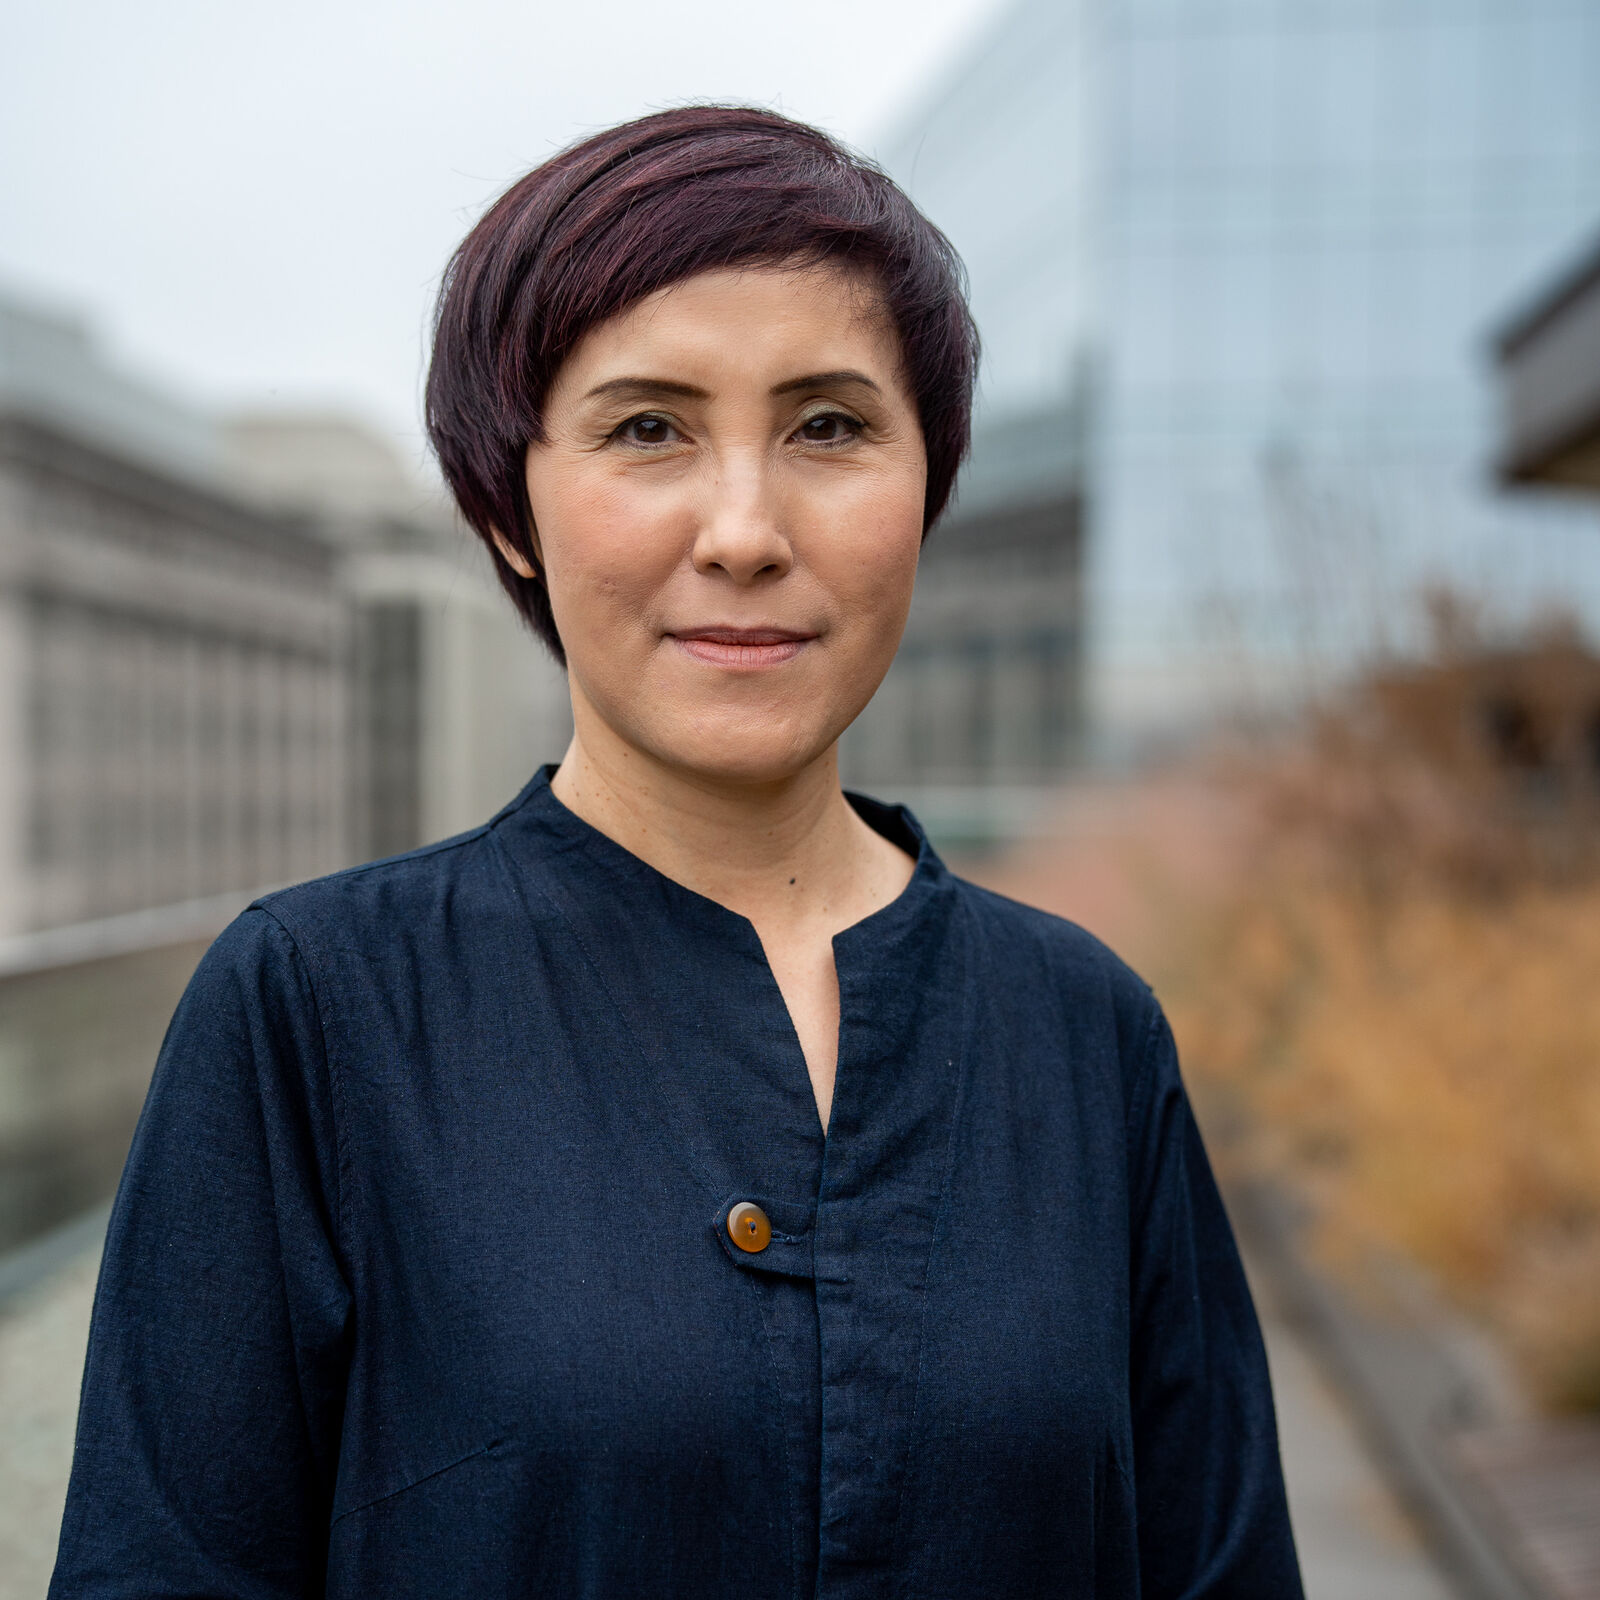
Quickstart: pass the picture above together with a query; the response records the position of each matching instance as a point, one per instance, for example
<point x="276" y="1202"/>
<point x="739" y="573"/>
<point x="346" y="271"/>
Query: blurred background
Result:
<point x="1261" y="638"/>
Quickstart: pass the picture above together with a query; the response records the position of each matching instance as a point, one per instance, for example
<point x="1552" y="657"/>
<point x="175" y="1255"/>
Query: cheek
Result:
<point x="875" y="554"/>
<point x="605" y="552"/>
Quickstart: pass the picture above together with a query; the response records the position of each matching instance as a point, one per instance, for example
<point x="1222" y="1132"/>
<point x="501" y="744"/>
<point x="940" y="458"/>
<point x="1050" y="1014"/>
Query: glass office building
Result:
<point x="1262" y="246"/>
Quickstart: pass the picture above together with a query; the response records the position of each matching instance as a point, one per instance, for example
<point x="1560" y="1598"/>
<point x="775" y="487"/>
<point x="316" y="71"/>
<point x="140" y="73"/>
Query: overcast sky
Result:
<point x="253" y="203"/>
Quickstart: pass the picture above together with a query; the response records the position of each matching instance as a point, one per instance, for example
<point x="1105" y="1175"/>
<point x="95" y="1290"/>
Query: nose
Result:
<point x="741" y="528"/>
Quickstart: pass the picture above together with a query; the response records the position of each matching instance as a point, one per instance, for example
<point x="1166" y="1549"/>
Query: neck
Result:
<point x="790" y="850"/>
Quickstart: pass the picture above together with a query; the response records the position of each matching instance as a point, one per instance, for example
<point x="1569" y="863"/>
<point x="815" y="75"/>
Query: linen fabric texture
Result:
<point x="417" y="1282"/>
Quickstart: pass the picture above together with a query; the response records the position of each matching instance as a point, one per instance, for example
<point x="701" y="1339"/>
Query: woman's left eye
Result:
<point x="828" y="427"/>
<point x="647" y="429"/>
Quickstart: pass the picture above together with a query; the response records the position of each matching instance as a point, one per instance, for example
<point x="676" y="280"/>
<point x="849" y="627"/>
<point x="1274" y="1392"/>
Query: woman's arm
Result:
<point x="1213" y="1520"/>
<point x="208" y="1434"/>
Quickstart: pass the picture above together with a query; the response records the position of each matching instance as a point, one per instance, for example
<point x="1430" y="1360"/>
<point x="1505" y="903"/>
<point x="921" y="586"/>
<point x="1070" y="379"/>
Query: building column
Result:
<point x="15" y="765"/>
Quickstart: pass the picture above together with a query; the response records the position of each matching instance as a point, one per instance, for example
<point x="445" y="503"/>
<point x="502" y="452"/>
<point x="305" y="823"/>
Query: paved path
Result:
<point x="42" y="1337"/>
<point x="1354" y="1542"/>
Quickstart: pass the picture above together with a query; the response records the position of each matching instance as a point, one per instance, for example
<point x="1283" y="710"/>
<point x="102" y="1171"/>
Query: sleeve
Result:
<point x="212" y="1396"/>
<point x="1213" y="1517"/>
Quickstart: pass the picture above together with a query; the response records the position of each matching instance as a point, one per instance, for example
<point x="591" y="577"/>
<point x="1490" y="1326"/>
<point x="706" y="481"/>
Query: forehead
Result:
<point x="765" y="321"/>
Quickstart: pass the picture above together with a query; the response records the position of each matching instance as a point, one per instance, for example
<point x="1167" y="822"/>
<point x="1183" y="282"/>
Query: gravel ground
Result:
<point x="1355" y="1544"/>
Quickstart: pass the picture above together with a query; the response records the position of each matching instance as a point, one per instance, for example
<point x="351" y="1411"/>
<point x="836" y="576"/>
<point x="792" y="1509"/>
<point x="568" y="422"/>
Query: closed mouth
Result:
<point x="742" y="647"/>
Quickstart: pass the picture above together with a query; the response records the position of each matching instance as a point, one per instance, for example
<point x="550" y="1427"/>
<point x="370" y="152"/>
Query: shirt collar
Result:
<point x="537" y="824"/>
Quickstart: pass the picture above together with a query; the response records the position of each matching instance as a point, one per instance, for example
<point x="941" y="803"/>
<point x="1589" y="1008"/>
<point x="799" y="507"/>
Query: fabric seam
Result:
<point x="1146" y="1058"/>
<point x="338" y="1196"/>
<point x="958" y="1110"/>
<point x="417" y="1482"/>
<point x="335" y="1089"/>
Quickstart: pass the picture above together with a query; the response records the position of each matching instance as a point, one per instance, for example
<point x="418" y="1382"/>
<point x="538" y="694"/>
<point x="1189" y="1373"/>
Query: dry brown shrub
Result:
<point x="1400" y="985"/>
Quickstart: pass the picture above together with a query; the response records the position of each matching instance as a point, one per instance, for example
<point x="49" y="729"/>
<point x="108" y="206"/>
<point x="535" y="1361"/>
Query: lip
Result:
<point x="747" y="648"/>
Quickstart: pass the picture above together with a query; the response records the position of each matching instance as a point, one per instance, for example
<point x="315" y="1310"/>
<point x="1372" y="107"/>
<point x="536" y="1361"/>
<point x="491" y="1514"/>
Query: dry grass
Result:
<point x="1381" y="948"/>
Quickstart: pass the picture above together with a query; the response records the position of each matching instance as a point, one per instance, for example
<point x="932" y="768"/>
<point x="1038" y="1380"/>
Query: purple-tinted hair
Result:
<point x="632" y="210"/>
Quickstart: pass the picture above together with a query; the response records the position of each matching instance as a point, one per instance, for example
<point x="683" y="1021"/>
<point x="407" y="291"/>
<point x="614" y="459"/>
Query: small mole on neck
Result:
<point x="791" y="880"/>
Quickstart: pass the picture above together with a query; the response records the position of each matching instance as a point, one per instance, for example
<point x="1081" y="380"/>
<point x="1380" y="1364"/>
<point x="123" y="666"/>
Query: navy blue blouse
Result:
<point x="418" y="1282"/>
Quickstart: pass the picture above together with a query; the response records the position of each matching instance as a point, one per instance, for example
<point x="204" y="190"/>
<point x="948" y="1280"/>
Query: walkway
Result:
<point x="1355" y="1541"/>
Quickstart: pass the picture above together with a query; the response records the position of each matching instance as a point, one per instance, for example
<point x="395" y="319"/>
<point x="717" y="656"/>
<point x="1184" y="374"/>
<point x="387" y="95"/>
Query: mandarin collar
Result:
<point x="537" y="825"/>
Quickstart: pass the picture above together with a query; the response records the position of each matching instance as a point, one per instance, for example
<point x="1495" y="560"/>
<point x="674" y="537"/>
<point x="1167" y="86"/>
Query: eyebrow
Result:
<point x="644" y="388"/>
<point x="827" y="380"/>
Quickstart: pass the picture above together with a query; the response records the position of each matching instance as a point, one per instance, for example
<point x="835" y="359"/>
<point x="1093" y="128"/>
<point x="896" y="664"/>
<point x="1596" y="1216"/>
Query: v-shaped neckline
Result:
<point x="648" y="936"/>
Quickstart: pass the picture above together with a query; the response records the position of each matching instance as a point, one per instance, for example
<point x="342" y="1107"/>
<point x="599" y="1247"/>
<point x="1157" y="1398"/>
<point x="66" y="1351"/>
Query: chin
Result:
<point x="745" y="751"/>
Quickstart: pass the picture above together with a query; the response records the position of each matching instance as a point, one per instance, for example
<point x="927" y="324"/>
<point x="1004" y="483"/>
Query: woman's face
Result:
<point x="728" y="511"/>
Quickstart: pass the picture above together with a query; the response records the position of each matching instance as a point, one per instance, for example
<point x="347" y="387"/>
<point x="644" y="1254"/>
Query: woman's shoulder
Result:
<point x="381" y="899"/>
<point x="1068" y="945"/>
<point x="1052" y="954"/>
<point x="379" y="932"/>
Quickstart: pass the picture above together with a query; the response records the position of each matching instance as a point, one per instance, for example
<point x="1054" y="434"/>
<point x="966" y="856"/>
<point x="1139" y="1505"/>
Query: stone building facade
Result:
<point x="233" y="652"/>
<point x="173" y="687"/>
<point x="453" y="702"/>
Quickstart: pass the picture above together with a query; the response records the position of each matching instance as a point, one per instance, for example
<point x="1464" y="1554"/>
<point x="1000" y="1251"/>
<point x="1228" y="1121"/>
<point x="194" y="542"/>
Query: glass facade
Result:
<point x="1272" y="237"/>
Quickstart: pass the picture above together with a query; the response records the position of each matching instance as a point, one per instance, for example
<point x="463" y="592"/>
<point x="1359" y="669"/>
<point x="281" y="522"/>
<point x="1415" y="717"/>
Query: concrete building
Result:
<point x="173" y="681"/>
<point x="1549" y="358"/>
<point x="454" y="702"/>
<point x="1263" y="238"/>
<point x="232" y="654"/>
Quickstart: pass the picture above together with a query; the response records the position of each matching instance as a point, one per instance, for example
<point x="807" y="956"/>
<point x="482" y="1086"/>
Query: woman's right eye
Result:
<point x="646" y="430"/>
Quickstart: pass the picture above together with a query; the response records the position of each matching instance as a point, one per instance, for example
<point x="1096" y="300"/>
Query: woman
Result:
<point x="682" y="1185"/>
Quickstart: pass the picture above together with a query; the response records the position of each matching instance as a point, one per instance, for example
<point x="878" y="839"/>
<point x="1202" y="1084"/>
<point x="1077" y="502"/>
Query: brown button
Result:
<point x="748" y="1227"/>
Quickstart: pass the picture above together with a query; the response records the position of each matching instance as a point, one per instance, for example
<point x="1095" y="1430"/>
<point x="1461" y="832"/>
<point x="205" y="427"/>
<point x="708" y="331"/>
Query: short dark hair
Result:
<point x="616" y="217"/>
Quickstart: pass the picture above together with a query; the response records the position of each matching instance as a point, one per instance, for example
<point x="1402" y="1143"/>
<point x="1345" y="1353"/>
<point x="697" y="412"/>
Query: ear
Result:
<point x="513" y="557"/>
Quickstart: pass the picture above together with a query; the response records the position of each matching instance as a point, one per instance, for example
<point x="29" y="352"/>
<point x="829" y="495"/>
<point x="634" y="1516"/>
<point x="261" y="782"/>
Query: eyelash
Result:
<point x="853" y="426"/>
<point x="618" y="432"/>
